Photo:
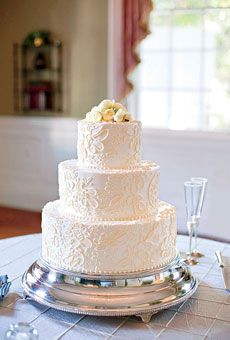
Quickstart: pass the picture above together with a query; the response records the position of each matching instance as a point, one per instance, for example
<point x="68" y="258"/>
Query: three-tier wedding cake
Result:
<point x="108" y="219"/>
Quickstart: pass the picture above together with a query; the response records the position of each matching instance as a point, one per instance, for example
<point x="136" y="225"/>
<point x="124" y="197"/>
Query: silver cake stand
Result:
<point x="142" y="294"/>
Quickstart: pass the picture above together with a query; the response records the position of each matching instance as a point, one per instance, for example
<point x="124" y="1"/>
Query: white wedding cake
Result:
<point x="108" y="219"/>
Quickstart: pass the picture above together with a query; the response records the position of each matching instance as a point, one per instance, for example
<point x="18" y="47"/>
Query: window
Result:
<point x="183" y="81"/>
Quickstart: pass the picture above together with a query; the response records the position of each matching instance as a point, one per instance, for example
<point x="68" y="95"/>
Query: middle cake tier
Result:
<point x="107" y="195"/>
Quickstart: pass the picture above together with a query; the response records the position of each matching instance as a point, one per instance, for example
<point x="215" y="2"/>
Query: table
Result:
<point x="204" y="316"/>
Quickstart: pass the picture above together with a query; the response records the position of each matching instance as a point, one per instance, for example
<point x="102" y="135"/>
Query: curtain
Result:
<point x="131" y="26"/>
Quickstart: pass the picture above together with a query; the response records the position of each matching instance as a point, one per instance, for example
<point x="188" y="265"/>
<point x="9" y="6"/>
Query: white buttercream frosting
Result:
<point x="108" y="219"/>
<point x="109" y="145"/>
<point x="110" y="194"/>
<point x="108" y="247"/>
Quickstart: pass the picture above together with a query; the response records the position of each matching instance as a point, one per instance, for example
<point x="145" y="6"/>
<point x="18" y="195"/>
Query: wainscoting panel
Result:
<point x="30" y="150"/>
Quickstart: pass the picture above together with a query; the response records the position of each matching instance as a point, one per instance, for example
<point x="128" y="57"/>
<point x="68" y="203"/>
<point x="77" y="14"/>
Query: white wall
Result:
<point x="30" y="149"/>
<point x="183" y="154"/>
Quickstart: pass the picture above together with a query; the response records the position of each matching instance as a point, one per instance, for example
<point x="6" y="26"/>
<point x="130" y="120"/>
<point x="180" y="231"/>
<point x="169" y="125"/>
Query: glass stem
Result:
<point x="190" y="229"/>
<point x="195" y="234"/>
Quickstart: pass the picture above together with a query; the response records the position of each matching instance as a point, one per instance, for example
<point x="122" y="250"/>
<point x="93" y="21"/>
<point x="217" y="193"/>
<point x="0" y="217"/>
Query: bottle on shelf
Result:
<point x="40" y="61"/>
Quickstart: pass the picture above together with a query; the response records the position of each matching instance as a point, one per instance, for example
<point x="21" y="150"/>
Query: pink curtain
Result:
<point x="134" y="27"/>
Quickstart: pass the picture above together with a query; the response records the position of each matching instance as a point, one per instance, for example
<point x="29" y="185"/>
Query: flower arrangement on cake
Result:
<point x="108" y="111"/>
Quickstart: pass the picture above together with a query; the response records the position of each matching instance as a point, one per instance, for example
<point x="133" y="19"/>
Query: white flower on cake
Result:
<point x="95" y="109"/>
<point x="94" y="117"/>
<point x="128" y="116"/>
<point x="118" y="106"/>
<point x="108" y="115"/>
<point x="108" y="111"/>
<point x="119" y="116"/>
<point x="106" y="104"/>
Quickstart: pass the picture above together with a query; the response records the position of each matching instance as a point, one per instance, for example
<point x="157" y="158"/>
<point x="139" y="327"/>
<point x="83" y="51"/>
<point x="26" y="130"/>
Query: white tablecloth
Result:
<point x="205" y="315"/>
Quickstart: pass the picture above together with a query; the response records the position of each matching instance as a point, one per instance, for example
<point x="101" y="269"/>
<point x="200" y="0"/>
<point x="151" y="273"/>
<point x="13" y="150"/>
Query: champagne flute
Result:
<point x="204" y="182"/>
<point x="192" y="193"/>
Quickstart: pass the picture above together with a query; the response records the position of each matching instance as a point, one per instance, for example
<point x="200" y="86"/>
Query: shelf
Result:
<point x="53" y="91"/>
<point x="28" y="70"/>
<point x="29" y="81"/>
<point x="41" y="48"/>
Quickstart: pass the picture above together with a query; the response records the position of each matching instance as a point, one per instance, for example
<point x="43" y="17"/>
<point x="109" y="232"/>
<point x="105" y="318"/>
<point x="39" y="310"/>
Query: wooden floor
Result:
<point x="15" y="222"/>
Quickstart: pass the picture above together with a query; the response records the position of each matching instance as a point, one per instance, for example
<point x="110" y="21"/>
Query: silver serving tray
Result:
<point x="142" y="294"/>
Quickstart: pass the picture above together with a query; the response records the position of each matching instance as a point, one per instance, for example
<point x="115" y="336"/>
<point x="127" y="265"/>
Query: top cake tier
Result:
<point x="109" y="145"/>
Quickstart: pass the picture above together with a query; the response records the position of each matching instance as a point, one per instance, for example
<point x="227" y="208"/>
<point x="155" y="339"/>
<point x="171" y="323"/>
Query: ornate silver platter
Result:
<point x="142" y="294"/>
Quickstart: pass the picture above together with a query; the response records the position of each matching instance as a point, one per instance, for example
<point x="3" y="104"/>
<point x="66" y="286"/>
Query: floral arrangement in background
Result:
<point x="108" y="111"/>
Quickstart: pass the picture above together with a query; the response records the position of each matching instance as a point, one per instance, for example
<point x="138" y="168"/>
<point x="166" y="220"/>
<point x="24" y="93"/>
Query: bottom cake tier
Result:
<point x="108" y="247"/>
